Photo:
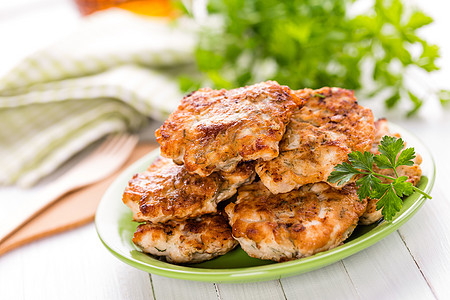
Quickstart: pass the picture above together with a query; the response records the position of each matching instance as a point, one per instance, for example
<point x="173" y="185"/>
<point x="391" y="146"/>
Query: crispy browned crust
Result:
<point x="216" y="129"/>
<point x="166" y="191"/>
<point x="330" y="125"/>
<point x="281" y="227"/>
<point x="189" y="241"/>
<point x="414" y="172"/>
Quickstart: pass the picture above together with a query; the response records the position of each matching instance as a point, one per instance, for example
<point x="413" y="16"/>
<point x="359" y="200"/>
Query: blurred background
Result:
<point x="30" y="25"/>
<point x="370" y="47"/>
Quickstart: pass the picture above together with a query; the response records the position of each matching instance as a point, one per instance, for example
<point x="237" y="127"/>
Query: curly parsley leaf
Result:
<point x="406" y="157"/>
<point x="366" y="185"/>
<point x="343" y="173"/>
<point x="402" y="187"/>
<point x="388" y="201"/>
<point x="444" y="97"/>
<point x="390" y="147"/>
<point x="418" y="19"/>
<point x="382" y="162"/>
<point x="370" y="184"/>
<point x="363" y="161"/>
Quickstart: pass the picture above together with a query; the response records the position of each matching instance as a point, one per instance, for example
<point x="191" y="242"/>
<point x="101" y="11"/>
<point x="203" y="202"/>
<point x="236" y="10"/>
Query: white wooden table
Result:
<point x="412" y="263"/>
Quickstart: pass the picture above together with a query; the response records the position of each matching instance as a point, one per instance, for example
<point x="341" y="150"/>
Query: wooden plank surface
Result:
<point x="429" y="247"/>
<point x="251" y="291"/>
<point x="169" y="288"/>
<point x="331" y="282"/>
<point x="387" y="268"/>
<point x="428" y="240"/>
<point x="427" y="234"/>
<point x="73" y="265"/>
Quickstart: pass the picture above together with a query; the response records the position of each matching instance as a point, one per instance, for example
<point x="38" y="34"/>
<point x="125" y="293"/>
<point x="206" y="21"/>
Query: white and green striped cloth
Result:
<point x="112" y="74"/>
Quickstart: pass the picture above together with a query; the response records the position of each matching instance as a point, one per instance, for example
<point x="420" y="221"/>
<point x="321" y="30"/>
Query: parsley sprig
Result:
<point x="316" y="43"/>
<point x="369" y="185"/>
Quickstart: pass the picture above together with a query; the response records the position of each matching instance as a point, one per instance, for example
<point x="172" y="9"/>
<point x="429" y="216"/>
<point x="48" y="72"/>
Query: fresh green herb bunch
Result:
<point x="369" y="184"/>
<point x="314" y="43"/>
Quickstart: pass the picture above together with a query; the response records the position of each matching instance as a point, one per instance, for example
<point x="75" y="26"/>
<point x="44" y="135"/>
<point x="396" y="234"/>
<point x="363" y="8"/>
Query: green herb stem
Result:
<point x="395" y="171"/>
<point x="422" y="192"/>
<point x="378" y="174"/>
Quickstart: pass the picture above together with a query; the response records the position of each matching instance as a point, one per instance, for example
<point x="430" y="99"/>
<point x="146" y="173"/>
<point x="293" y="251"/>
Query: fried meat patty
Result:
<point x="414" y="172"/>
<point x="166" y="191"/>
<point x="321" y="133"/>
<point x="188" y="241"/>
<point x="281" y="227"/>
<point x="216" y="129"/>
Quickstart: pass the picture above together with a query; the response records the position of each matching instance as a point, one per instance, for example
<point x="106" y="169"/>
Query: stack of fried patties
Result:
<point x="273" y="148"/>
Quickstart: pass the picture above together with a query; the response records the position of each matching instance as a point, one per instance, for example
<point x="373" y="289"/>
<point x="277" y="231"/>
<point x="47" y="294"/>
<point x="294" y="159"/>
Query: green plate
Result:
<point x="115" y="228"/>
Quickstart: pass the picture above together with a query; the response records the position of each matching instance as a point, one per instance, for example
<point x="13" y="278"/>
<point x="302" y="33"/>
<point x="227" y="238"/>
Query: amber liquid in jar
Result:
<point x="159" y="8"/>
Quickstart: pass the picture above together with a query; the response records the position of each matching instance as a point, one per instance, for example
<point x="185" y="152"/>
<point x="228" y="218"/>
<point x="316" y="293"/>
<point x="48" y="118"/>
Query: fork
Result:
<point x="104" y="160"/>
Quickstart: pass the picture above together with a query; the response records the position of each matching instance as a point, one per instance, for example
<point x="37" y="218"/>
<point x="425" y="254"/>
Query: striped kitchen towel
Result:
<point x="117" y="70"/>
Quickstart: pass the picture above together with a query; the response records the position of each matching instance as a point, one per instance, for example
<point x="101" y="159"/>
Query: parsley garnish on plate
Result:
<point x="392" y="155"/>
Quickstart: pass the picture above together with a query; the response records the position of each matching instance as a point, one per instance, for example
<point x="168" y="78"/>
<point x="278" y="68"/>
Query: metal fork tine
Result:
<point x="104" y="145"/>
<point x="131" y="140"/>
<point x="119" y="143"/>
<point x="112" y="143"/>
<point x="127" y="142"/>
